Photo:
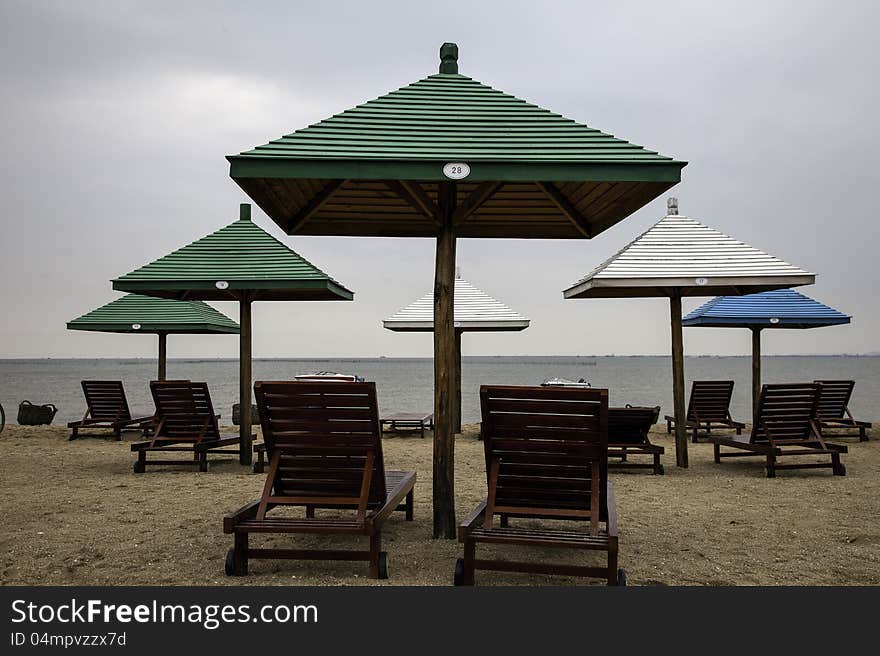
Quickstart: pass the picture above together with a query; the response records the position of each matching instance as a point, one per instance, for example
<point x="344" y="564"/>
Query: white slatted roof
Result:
<point x="681" y="253"/>
<point x="475" y="310"/>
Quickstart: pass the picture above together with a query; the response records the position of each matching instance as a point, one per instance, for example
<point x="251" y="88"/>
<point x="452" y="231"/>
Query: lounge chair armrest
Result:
<point x="840" y="448"/>
<point x="248" y="511"/>
<point x="612" y="510"/>
<point x="476" y="516"/>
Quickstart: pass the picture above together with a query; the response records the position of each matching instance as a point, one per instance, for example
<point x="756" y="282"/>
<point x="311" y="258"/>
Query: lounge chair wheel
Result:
<point x="383" y="564"/>
<point x="621" y="577"/>
<point x="203" y="466"/>
<point x="138" y="467"/>
<point x="841" y="470"/>
<point x="458" y="577"/>
<point x="230" y="562"/>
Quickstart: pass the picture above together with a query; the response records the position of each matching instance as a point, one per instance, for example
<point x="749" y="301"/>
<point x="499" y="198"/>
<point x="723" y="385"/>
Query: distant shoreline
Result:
<point x="378" y="358"/>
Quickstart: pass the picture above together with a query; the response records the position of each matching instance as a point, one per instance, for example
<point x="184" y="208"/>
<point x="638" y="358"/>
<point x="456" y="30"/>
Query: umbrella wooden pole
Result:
<point x="681" y="443"/>
<point x="457" y="401"/>
<point x="444" y="366"/>
<point x="163" y="356"/>
<point x="756" y="370"/>
<point x="244" y="396"/>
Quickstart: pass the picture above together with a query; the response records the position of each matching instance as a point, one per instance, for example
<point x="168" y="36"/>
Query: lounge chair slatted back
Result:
<point x="787" y="412"/>
<point x="628" y="435"/>
<point x="324" y="434"/>
<point x="546" y="458"/>
<point x="786" y="429"/>
<point x="710" y="400"/>
<point x="106" y="408"/>
<point x="106" y="400"/>
<point x="834" y="400"/>
<point x="544" y="445"/>
<point x="630" y="425"/>
<point x="325" y="452"/>
<point x="185" y="411"/>
<point x="833" y="411"/>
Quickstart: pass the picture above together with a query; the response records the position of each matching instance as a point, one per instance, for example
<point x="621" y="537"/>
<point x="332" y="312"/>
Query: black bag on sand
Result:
<point x="35" y="415"/>
<point x="236" y="414"/>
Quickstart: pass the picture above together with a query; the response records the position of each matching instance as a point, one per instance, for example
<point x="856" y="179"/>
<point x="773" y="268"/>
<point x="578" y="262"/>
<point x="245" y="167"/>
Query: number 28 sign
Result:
<point x="456" y="170"/>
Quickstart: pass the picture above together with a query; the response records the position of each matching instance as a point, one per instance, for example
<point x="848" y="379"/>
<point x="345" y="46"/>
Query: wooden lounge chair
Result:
<point x="107" y="408"/>
<point x="785" y="427"/>
<point x="546" y="458"/>
<point x="834" y="411"/>
<point x="628" y="430"/>
<point x="325" y="451"/>
<point x="185" y="422"/>
<point x="708" y="408"/>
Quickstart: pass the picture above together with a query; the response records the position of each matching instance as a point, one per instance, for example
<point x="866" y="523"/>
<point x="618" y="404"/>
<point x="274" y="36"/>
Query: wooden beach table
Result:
<point x="399" y="421"/>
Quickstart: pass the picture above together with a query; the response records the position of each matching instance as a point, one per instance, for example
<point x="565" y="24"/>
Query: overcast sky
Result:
<point x="117" y="115"/>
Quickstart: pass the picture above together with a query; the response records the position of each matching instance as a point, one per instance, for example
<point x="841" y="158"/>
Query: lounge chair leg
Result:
<point x="505" y="521"/>
<point x="117" y="433"/>
<point x="470" y="554"/>
<point x="74" y="434"/>
<point x="717" y="453"/>
<point x="375" y="549"/>
<point x="203" y="461"/>
<point x="310" y="512"/>
<point x="668" y="427"/>
<point x="260" y="464"/>
<point x="409" y="505"/>
<point x="863" y="436"/>
<point x="658" y="468"/>
<point x="612" y="562"/>
<point x="771" y="466"/>
<point x="140" y="465"/>
<point x="240" y="555"/>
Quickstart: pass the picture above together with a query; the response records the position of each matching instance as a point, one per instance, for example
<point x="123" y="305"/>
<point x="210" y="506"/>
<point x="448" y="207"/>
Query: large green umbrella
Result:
<point x="449" y="157"/>
<point x="138" y="314"/>
<point x="240" y="262"/>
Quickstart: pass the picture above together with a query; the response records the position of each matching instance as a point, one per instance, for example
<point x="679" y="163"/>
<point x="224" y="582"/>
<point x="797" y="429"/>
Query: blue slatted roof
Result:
<point x="781" y="308"/>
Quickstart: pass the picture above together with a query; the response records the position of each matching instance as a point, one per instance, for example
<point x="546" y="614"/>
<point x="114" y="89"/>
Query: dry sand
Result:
<point x="74" y="514"/>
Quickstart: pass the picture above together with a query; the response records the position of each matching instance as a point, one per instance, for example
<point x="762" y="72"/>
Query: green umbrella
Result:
<point x="134" y="313"/>
<point x="449" y="157"/>
<point x="240" y="262"/>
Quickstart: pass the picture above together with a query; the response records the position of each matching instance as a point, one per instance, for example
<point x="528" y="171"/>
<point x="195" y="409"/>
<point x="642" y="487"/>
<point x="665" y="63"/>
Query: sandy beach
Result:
<point x="74" y="514"/>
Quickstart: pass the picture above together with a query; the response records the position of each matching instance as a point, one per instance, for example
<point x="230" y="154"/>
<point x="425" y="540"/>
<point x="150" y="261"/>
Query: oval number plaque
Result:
<point x="456" y="170"/>
<point x="774" y="320"/>
<point x="135" y="326"/>
<point x="701" y="281"/>
<point x="221" y="284"/>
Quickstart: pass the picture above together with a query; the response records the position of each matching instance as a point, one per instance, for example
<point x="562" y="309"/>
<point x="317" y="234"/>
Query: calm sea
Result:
<point x="405" y="384"/>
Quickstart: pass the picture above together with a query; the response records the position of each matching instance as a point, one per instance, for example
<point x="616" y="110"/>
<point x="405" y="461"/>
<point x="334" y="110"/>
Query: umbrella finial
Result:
<point x="244" y="212"/>
<point x="449" y="58"/>
<point x="672" y="206"/>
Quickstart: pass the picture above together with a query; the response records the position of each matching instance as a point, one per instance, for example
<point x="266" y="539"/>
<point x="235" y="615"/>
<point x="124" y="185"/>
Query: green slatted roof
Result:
<point x="411" y="133"/>
<point x="239" y="257"/>
<point x="451" y="117"/>
<point x="135" y="313"/>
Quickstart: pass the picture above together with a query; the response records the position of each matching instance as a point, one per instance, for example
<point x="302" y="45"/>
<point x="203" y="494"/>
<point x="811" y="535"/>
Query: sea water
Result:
<point x="405" y="384"/>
